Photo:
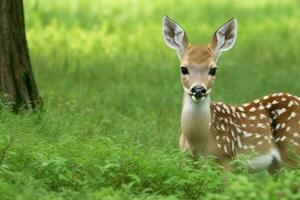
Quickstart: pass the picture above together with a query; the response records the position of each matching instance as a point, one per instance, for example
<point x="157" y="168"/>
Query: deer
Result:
<point x="267" y="128"/>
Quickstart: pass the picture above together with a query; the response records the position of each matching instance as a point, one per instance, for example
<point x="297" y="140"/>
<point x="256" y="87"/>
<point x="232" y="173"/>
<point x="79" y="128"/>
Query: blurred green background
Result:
<point x="112" y="99"/>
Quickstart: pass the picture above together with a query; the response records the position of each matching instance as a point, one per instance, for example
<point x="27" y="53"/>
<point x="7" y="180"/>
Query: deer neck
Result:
<point x="195" y="121"/>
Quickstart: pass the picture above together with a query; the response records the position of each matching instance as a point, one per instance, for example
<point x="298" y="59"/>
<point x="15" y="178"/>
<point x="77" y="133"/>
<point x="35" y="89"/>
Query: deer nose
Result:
<point x="198" y="91"/>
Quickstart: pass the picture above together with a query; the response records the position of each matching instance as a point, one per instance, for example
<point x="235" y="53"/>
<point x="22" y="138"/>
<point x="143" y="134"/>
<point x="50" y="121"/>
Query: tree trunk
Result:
<point x="17" y="84"/>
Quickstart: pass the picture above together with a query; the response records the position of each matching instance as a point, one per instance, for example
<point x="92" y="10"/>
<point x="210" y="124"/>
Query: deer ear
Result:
<point x="174" y="36"/>
<point x="224" y="38"/>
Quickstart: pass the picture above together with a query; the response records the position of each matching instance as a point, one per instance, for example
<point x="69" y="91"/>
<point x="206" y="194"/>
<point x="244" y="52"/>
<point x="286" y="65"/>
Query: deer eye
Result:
<point x="212" y="71"/>
<point x="184" y="71"/>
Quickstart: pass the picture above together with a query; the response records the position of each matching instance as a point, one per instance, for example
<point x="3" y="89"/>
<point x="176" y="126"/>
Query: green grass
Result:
<point x="112" y="98"/>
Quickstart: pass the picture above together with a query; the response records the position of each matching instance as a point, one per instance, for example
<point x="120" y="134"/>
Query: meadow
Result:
<point x="111" y="92"/>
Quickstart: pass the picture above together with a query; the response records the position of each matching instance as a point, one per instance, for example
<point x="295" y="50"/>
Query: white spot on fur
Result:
<point x="261" y="107"/>
<point x="271" y="120"/>
<point x="257" y="135"/>
<point x="282" y="138"/>
<point x="252" y="117"/>
<point x="295" y="102"/>
<point x="226" y="108"/>
<point x="243" y="115"/>
<point x="228" y="140"/>
<point x="223" y="127"/>
<point x="292" y="115"/>
<point x="274" y="102"/>
<point x="241" y="109"/>
<point x="260" y="125"/>
<point x="232" y="147"/>
<point x="281" y="111"/>
<point x="225" y="149"/>
<point x="238" y="130"/>
<point x="293" y="142"/>
<point x="232" y="133"/>
<point x="262" y="116"/>
<point x="253" y="109"/>
<point x="277" y="126"/>
<point x="256" y="101"/>
<point x="291" y="103"/>
<point x="265" y="97"/>
<point x="268" y="139"/>
<point x="296" y="134"/>
<point x="233" y="109"/>
<point x="247" y="134"/>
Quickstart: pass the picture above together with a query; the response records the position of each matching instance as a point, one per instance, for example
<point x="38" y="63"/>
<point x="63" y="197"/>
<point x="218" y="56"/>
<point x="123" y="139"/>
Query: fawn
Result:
<point x="268" y="126"/>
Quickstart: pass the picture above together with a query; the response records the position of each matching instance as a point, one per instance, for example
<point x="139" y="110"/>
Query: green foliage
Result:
<point x="112" y="97"/>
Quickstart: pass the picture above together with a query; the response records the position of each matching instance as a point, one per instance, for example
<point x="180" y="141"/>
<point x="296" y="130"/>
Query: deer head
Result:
<point x="198" y="63"/>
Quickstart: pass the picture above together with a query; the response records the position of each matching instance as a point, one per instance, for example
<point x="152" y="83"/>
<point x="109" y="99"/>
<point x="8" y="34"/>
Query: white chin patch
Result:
<point x="198" y="100"/>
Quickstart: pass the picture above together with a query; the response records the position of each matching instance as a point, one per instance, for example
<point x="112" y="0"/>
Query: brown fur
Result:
<point x="225" y="131"/>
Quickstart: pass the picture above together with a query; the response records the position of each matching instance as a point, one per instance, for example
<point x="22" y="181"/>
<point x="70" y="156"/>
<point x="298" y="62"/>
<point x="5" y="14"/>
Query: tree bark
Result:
<point x="17" y="84"/>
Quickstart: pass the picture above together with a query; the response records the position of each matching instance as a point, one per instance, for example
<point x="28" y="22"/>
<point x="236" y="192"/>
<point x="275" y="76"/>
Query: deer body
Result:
<point x="269" y="126"/>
